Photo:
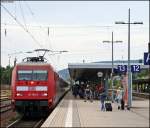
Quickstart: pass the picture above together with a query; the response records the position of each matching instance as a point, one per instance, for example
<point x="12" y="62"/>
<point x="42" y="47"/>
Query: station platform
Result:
<point x="72" y="112"/>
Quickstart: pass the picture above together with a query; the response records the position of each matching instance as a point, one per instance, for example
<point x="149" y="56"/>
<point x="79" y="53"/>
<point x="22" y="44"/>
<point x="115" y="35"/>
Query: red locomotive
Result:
<point x="35" y="86"/>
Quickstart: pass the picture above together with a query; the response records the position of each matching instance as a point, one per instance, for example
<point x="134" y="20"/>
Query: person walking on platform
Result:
<point x="120" y="99"/>
<point x="91" y="92"/>
<point x="81" y="91"/>
<point x="88" y="93"/>
<point x="99" y="89"/>
<point x="102" y="99"/>
<point x="75" y="90"/>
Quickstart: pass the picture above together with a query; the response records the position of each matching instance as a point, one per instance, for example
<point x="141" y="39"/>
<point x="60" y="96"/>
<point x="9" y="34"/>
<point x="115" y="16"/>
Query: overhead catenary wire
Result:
<point x="33" y="15"/>
<point x="65" y="26"/>
<point x="21" y="25"/>
<point x="15" y="9"/>
<point x="75" y="27"/>
<point x="22" y="13"/>
<point x="29" y="8"/>
<point x="41" y="28"/>
<point x="52" y="60"/>
<point x="31" y="12"/>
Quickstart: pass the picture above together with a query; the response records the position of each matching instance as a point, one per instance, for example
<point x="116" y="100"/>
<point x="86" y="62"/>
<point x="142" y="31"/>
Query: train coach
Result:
<point x="36" y="87"/>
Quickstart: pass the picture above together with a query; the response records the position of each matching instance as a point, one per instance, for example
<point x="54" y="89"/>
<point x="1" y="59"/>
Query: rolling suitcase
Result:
<point x="122" y="104"/>
<point x="108" y="106"/>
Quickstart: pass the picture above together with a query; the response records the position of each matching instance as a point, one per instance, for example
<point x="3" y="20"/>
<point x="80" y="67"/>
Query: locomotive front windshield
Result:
<point x="35" y="75"/>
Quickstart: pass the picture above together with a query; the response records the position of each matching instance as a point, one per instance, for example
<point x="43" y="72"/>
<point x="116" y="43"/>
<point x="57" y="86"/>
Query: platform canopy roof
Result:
<point x="87" y="71"/>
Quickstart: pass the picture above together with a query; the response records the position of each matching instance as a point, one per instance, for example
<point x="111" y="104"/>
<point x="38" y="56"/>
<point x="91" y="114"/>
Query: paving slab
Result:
<point x="72" y="112"/>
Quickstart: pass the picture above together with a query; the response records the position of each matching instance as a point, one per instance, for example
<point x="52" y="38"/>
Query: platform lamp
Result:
<point x="129" y="68"/>
<point x="112" y="70"/>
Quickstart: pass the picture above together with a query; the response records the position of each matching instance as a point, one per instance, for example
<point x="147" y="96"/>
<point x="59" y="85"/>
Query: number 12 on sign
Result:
<point x="135" y="68"/>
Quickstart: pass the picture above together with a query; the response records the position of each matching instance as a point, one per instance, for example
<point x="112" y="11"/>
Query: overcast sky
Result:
<point x="77" y="26"/>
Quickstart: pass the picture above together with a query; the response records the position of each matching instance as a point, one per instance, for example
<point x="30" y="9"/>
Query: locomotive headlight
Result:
<point x="32" y="82"/>
<point x="45" y="94"/>
<point x="19" y="94"/>
<point x="12" y="101"/>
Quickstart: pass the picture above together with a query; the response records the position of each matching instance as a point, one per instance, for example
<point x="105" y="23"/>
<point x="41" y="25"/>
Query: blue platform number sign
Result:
<point x="146" y="58"/>
<point x="122" y="68"/>
<point x="135" y="68"/>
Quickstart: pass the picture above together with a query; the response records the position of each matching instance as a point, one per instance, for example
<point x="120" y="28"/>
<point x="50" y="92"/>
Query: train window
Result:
<point x="40" y="75"/>
<point x="25" y="75"/>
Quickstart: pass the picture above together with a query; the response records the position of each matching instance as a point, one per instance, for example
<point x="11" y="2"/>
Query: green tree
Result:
<point x="144" y="73"/>
<point x="5" y="74"/>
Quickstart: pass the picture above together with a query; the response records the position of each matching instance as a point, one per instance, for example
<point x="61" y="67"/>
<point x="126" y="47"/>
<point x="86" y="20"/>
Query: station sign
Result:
<point x="146" y="58"/>
<point x="122" y="68"/>
<point x="135" y="68"/>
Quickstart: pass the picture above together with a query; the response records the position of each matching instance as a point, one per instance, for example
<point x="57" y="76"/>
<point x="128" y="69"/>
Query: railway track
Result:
<point x="5" y="101"/>
<point x="5" y="108"/>
<point x="32" y="122"/>
<point x="135" y="94"/>
<point x="5" y="105"/>
<point x="23" y="122"/>
<point x="141" y="95"/>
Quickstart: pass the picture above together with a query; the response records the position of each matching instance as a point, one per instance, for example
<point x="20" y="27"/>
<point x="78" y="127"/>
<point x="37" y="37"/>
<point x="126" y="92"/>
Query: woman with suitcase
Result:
<point x="102" y="99"/>
<point x="120" y="94"/>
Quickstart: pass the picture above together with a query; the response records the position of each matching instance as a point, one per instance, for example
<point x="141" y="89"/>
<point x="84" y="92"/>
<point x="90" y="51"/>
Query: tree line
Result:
<point x="5" y="75"/>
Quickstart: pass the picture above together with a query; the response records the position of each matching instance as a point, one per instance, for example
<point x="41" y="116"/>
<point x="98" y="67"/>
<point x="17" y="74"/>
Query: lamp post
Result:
<point x="129" y="67"/>
<point x="112" y="71"/>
